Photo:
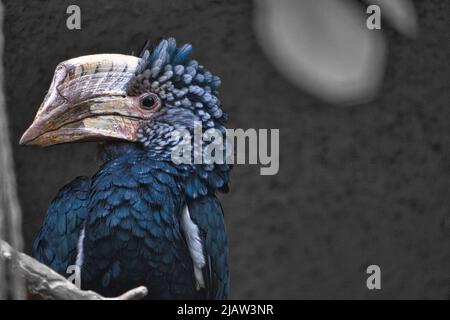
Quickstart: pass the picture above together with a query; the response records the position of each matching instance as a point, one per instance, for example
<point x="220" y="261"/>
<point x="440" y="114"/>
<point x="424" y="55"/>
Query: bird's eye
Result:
<point x="150" y="102"/>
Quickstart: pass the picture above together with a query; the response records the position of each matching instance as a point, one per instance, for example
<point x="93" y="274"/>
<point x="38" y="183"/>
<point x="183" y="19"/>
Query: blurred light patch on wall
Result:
<point x="325" y="47"/>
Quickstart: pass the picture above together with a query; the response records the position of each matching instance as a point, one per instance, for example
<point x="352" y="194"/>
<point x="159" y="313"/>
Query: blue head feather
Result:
<point x="188" y="93"/>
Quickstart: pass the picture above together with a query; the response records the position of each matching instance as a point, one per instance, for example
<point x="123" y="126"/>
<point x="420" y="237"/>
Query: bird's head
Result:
<point x="119" y="97"/>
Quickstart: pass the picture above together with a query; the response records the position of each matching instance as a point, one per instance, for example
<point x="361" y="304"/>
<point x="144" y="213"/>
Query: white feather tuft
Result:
<point x="192" y="235"/>
<point x="80" y="255"/>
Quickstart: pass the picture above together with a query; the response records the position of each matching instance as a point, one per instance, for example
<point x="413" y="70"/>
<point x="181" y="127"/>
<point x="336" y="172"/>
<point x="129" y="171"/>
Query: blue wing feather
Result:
<point x="207" y="213"/>
<point x="130" y="209"/>
<point x="56" y="243"/>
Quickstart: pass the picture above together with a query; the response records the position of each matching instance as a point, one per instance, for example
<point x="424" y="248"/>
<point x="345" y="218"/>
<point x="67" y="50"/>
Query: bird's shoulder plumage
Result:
<point x="56" y="243"/>
<point x="130" y="216"/>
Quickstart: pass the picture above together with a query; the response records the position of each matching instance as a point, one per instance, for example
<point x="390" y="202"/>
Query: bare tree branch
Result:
<point x="51" y="285"/>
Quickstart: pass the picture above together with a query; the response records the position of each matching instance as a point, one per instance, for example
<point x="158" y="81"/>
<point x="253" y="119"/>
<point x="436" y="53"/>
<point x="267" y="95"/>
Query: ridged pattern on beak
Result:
<point x="89" y="76"/>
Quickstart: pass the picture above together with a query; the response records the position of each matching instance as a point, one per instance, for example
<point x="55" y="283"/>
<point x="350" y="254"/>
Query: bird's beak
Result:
<point x="101" y="118"/>
<point x="87" y="101"/>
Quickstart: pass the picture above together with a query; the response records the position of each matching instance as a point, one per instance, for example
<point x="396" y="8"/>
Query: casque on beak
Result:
<point x="87" y="101"/>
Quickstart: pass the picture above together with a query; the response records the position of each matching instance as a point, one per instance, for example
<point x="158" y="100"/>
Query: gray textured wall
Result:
<point x="357" y="186"/>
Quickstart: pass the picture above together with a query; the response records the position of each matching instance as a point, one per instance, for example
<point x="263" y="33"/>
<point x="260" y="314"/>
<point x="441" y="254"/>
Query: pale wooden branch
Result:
<point x="44" y="281"/>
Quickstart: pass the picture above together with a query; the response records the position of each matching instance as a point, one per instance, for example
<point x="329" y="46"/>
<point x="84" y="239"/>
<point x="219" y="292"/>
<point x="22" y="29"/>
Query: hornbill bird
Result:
<point x="142" y="219"/>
